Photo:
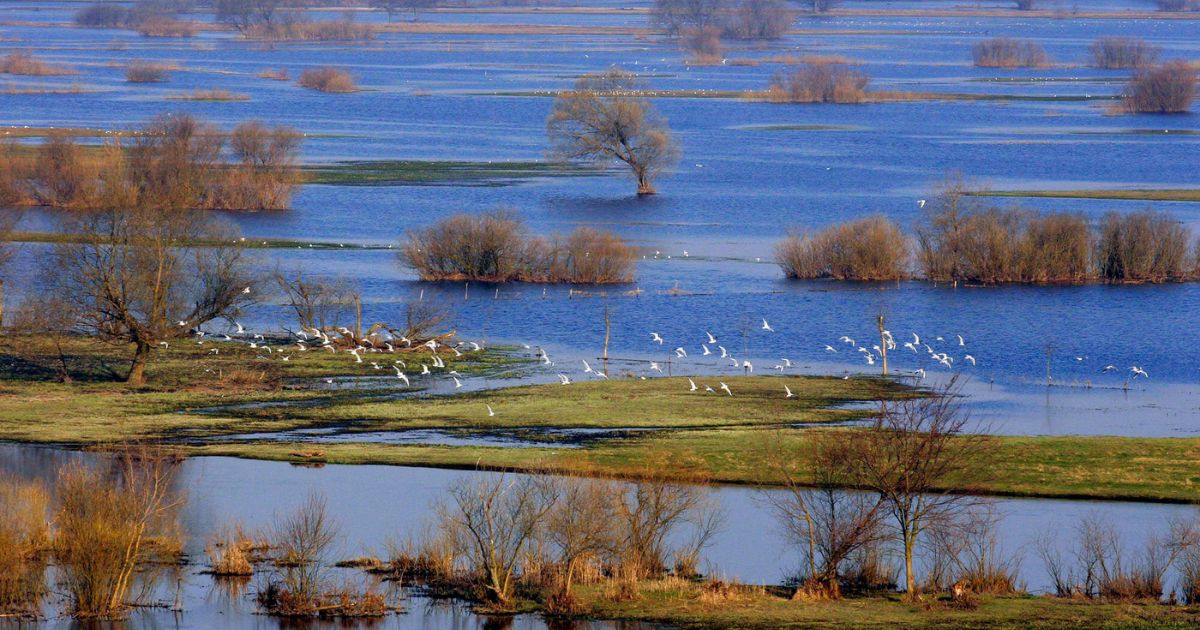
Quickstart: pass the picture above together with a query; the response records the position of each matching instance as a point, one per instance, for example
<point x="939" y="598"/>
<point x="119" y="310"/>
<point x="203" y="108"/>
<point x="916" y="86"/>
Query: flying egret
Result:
<point x="402" y="376"/>
<point x="490" y="412"/>
<point x="725" y="388"/>
<point x="724" y="354"/>
<point x="654" y="366"/>
<point x="967" y="357"/>
<point x="693" y="385"/>
<point x="457" y="383"/>
<point x="711" y="338"/>
<point x="1137" y="371"/>
<point x="1108" y="368"/>
<point x="916" y="340"/>
<point x="848" y="340"/>
<point x="680" y="352"/>
<point x="960" y="340"/>
<point x="786" y="362"/>
<point x="829" y="348"/>
<point x="587" y="369"/>
<point x="656" y="338"/>
<point x="564" y="379"/>
<point x="767" y="327"/>
<point x="424" y="369"/>
<point x="789" y="392"/>
<point x="746" y="364"/>
<point x="706" y="350"/>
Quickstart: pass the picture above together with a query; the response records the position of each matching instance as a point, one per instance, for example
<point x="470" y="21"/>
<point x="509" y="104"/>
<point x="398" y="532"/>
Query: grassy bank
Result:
<point x="1146" y="194"/>
<point x="198" y="395"/>
<point x="692" y="605"/>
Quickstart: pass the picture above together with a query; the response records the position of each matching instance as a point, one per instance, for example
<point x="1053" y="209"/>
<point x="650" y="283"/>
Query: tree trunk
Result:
<point x="1" y="303"/>
<point x="644" y="185"/>
<point x="910" y="581"/>
<point x="137" y="371"/>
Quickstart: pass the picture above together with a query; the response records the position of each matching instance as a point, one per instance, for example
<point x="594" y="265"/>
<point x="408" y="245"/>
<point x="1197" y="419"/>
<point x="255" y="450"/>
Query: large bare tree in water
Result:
<point x="146" y="276"/>
<point x="603" y="120"/>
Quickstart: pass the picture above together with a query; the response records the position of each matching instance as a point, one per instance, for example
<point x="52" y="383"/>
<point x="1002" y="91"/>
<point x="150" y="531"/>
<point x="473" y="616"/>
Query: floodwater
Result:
<point x="377" y="504"/>
<point x="750" y="172"/>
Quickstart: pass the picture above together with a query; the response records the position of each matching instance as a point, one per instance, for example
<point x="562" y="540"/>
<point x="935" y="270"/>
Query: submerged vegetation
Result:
<point x="494" y="247"/>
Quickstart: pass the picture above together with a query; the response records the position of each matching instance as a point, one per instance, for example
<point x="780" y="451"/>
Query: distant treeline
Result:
<point x="175" y="161"/>
<point x="495" y="247"/>
<point x="961" y="242"/>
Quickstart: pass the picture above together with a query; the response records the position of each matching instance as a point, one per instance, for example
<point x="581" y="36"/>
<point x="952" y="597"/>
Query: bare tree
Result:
<point x="658" y="508"/>
<point x="266" y="173"/>
<point x="145" y="276"/>
<point x="919" y="459"/>
<point x="319" y="304"/>
<point x="603" y="120"/>
<point x="303" y="540"/>
<point x="497" y="516"/>
<point x="579" y="525"/>
<point x="815" y="510"/>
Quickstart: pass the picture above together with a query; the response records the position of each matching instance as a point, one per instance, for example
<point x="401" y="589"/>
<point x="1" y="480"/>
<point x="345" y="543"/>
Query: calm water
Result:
<point x="375" y="504"/>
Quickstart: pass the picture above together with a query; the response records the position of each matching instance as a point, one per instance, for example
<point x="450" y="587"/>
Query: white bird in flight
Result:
<point x="711" y="338"/>
<point x="564" y="379"/>
<point x="490" y="412"/>
<point x="829" y="348"/>
<point x="457" y="383"/>
<point x="725" y="388"/>
<point x="587" y="369"/>
<point x="789" y="392"/>
<point x="656" y="338"/>
<point x="1137" y="371"/>
<point x="766" y="326"/>
<point x="970" y="358"/>
<point x="402" y="376"/>
<point x="693" y="385"/>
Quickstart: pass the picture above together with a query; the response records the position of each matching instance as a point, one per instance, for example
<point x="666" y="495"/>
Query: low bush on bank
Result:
<point x="24" y="546"/>
<point x="1143" y="246"/>
<point x="1169" y="88"/>
<point x="867" y="249"/>
<point x="27" y="65"/>
<point x="495" y="247"/>
<point x="1123" y="52"/>
<point x="1006" y="52"/>
<point x="820" y="82"/>
<point x="326" y="79"/>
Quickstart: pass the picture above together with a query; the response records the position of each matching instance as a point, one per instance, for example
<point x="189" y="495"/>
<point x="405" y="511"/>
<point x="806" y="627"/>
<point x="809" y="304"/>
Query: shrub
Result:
<point x="1166" y="89"/>
<point x="1142" y="246"/>
<point x="494" y="247"/>
<point x="102" y="15"/>
<point x="326" y="79"/>
<point x="1176" y="5"/>
<point x="230" y="552"/>
<point x="759" y="19"/>
<point x="146" y="72"/>
<point x="820" y="82"/>
<point x="24" y="538"/>
<point x="1005" y="52"/>
<point x="1123" y="52"/>
<point x="108" y="523"/>
<point x="868" y="249"/>
<point x="26" y="64"/>
<point x="274" y="75"/>
<point x="704" y="44"/>
<point x="1056" y="247"/>
<point x="162" y="26"/>
<point x="304" y="30"/>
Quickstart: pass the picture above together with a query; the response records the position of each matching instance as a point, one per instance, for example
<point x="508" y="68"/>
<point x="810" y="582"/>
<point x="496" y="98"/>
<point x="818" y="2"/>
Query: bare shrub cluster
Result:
<point x="495" y="247"/>
<point x="152" y="18"/>
<point x="146" y="72"/>
<point x="1006" y="52"/>
<point x="1123" y="52"/>
<point x="738" y="19"/>
<point x="1143" y="246"/>
<point x="820" y="82"/>
<point x="1169" y="88"/>
<point x="24" y="546"/>
<point x="704" y="44"/>
<point x="110" y="524"/>
<point x="283" y="20"/>
<point x="1176" y="5"/>
<point x="326" y="79"/>
<point x="873" y="248"/>
<point x="301" y="586"/>
<point x="547" y="534"/>
<point x="1098" y="566"/>
<point x="175" y="161"/>
<point x="26" y="64"/>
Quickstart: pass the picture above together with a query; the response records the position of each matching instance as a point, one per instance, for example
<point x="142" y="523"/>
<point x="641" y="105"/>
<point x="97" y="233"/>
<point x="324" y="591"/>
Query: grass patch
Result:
<point x="209" y="95"/>
<point x="437" y="172"/>
<point x="1145" y="194"/>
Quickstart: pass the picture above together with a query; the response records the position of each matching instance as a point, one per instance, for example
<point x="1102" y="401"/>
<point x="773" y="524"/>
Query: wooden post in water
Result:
<point x="607" y="333"/>
<point x="357" y="317"/>
<point x="466" y="285"/>
<point x="882" y="344"/>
